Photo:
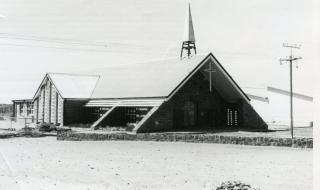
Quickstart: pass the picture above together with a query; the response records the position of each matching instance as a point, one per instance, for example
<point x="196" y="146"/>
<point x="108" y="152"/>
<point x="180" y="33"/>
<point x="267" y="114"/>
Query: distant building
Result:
<point x="22" y="108"/>
<point x="6" y="110"/>
<point x="60" y="98"/>
<point x="273" y="105"/>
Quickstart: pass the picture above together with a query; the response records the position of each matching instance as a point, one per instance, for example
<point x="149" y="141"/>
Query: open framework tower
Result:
<point x="189" y="42"/>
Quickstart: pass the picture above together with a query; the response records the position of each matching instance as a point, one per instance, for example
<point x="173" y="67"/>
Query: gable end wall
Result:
<point x="197" y="89"/>
<point x="42" y="105"/>
<point x="250" y="118"/>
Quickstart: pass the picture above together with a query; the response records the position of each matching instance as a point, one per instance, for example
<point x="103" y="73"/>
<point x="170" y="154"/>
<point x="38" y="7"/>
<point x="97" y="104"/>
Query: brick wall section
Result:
<point x="74" y="111"/>
<point x="210" y="108"/>
<point x="250" y="118"/>
<point x="190" y="138"/>
<point x="161" y="120"/>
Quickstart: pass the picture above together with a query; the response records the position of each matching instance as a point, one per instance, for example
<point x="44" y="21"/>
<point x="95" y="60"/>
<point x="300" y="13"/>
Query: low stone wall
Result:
<point x="187" y="137"/>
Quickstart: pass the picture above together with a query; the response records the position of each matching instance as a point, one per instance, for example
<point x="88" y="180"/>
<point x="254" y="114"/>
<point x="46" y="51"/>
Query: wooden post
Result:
<point x="145" y="118"/>
<point x="95" y="124"/>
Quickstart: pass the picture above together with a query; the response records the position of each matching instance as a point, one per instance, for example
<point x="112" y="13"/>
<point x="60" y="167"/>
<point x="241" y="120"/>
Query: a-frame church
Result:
<point x="189" y="93"/>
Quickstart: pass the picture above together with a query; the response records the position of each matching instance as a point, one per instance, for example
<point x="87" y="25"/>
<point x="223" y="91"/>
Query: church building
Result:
<point x="191" y="92"/>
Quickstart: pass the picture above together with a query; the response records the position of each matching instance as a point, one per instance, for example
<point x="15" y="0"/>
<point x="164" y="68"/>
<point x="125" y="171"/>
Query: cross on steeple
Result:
<point x="210" y="70"/>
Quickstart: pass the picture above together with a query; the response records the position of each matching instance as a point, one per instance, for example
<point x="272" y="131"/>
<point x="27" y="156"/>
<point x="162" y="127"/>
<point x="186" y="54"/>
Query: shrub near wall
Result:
<point x="193" y="138"/>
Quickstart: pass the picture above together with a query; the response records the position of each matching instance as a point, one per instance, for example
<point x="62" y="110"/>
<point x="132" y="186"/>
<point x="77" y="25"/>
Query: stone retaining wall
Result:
<point x="193" y="138"/>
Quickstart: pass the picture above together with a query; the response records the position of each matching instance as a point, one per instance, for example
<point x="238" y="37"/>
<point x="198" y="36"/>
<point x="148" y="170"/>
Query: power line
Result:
<point x="130" y="48"/>
<point x="44" y="38"/>
<point x="85" y="50"/>
<point x="53" y="41"/>
<point x="66" y="40"/>
<point x="106" y="44"/>
<point x="50" y="47"/>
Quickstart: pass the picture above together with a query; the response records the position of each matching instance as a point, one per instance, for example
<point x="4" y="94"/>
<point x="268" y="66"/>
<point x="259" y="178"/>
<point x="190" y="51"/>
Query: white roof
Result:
<point x="146" y="102"/>
<point x="161" y="79"/>
<point x="74" y="85"/>
<point x="287" y="93"/>
<point x="260" y="91"/>
<point x="151" y="79"/>
<point x="157" y="79"/>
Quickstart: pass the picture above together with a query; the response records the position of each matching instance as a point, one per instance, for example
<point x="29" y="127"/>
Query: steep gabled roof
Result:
<point x="160" y="79"/>
<point x="157" y="79"/>
<point x="151" y="79"/>
<point x="75" y="86"/>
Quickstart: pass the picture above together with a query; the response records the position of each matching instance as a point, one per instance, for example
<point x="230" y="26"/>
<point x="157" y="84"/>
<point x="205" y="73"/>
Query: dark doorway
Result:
<point x="189" y="114"/>
<point x="185" y="116"/>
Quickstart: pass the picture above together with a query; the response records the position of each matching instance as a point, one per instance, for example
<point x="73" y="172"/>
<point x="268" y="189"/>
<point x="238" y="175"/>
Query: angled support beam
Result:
<point x="145" y="118"/>
<point x="95" y="124"/>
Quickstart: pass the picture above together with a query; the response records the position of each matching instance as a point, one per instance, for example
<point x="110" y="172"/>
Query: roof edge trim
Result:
<point x="230" y="77"/>
<point x="47" y="75"/>
<point x="209" y="56"/>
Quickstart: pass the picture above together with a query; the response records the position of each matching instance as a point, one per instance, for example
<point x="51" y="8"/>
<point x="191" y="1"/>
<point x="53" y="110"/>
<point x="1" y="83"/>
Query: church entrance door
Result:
<point x="189" y="114"/>
<point x="185" y="116"/>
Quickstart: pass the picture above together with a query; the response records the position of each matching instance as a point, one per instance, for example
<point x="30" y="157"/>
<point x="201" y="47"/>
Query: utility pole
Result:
<point x="290" y="61"/>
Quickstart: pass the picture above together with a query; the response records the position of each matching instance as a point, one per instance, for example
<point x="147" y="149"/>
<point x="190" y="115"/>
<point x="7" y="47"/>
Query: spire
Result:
<point x="188" y="39"/>
<point x="188" y="31"/>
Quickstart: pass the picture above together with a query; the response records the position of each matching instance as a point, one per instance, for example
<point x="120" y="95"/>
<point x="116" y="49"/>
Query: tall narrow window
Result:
<point x="189" y="113"/>
<point x="232" y="118"/>
<point x="21" y="109"/>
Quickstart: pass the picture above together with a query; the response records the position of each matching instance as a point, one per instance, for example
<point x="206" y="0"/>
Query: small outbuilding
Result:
<point x="22" y="108"/>
<point x="60" y="98"/>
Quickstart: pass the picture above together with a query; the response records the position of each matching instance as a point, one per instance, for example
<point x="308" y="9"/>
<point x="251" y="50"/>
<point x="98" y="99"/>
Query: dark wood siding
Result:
<point x="74" y="112"/>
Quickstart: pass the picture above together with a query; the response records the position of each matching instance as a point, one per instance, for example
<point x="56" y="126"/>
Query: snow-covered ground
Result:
<point x="45" y="163"/>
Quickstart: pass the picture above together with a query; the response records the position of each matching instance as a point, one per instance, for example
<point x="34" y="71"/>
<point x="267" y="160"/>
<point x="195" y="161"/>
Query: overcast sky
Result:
<point x="245" y="35"/>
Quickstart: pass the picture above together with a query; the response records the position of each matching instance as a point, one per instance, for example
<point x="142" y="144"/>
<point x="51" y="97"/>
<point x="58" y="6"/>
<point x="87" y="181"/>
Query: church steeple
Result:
<point x="189" y="41"/>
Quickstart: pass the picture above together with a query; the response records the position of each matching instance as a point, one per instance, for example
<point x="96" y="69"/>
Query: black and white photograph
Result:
<point x="159" y="95"/>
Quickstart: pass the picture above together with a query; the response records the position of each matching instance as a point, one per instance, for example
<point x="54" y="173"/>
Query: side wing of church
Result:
<point x="60" y="97"/>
